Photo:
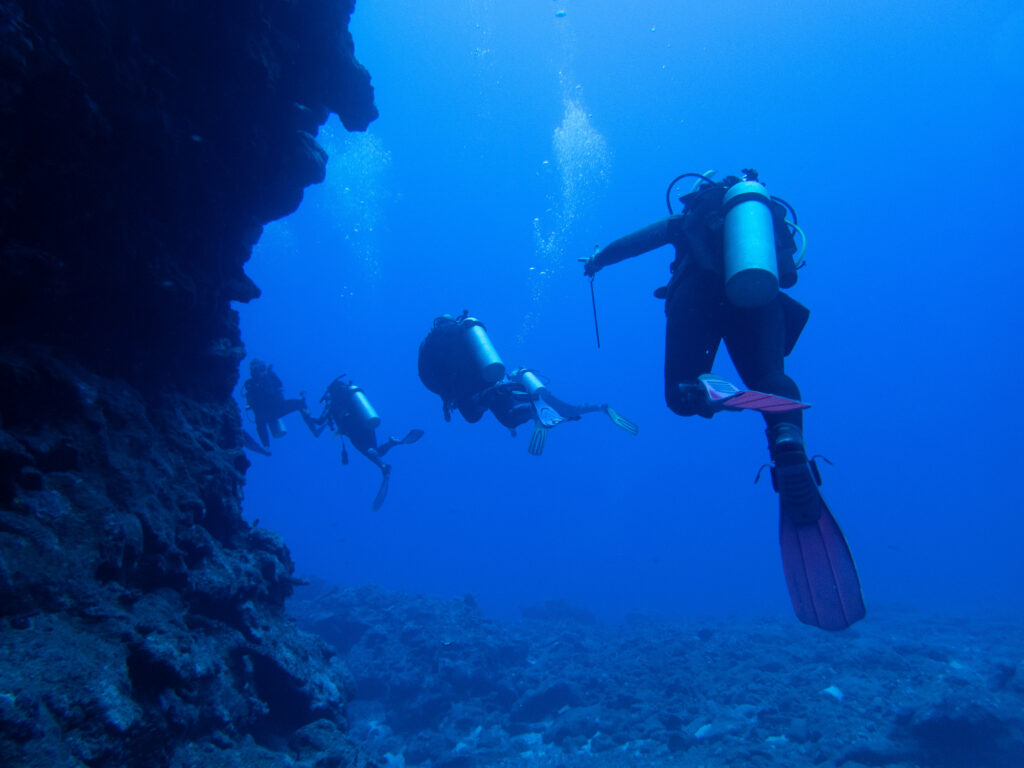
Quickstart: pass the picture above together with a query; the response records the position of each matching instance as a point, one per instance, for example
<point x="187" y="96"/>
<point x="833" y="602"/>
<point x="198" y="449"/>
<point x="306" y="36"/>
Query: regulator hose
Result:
<point x="676" y="180"/>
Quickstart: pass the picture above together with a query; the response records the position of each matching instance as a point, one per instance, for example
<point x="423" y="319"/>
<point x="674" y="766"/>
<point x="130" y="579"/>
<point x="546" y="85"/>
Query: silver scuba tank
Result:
<point x="485" y="355"/>
<point x="751" y="268"/>
<point x="531" y="382"/>
<point x="362" y="411"/>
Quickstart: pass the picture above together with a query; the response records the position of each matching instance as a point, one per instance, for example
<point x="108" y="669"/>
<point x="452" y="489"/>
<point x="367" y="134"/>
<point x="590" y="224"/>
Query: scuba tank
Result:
<point x="457" y="360"/>
<point x="751" y="265"/>
<point x="531" y="382"/>
<point x="348" y="402"/>
<point x="485" y="356"/>
<point x="361" y="409"/>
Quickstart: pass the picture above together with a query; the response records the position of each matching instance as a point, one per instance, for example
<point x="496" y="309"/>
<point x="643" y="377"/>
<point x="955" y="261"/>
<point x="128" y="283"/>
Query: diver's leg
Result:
<point x="250" y="442"/>
<point x="316" y="426"/>
<point x="365" y="441"/>
<point x="373" y="455"/>
<point x="290" y="406"/>
<point x="693" y="331"/>
<point x="386" y="446"/>
<point x="511" y="414"/>
<point x="411" y="437"/>
<point x="568" y="410"/>
<point x="261" y="430"/>
<point x="756" y="342"/>
<point x="574" y="412"/>
<point x="299" y="404"/>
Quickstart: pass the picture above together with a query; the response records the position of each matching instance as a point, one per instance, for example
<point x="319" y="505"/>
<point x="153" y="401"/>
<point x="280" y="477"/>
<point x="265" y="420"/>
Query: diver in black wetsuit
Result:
<point x="349" y="413"/>
<point x="264" y="395"/>
<point x="522" y="397"/>
<point x="759" y="325"/>
<point x="734" y="249"/>
<point x="458" y="362"/>
<point x="512" y="403"/>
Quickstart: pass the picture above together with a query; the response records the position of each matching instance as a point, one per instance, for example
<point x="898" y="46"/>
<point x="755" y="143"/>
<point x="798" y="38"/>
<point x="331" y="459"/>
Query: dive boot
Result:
<point x="794" y="478"/>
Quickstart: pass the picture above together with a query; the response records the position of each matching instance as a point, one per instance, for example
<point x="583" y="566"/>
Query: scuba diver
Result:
<point x="349" y="413"/>
<point x="734" y="249"/>
<point x="458" y="362"/>
<point x="264" y="396"/>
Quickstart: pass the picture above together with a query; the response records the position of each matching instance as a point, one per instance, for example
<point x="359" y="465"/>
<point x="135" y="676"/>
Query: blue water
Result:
<point x="511" y="141"/>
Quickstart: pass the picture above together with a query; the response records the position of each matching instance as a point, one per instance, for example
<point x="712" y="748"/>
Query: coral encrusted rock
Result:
<point x="143" y="146"/>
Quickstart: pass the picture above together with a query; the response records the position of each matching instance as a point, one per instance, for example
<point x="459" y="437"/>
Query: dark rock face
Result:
<point x="143" y="145"/>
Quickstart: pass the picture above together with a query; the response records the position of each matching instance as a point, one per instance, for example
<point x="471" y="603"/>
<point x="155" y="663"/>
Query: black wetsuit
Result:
<point x="338" y="417"/>
<point x="265" y="396"/>
<point x="363" y="438"/>
<point x="507" y="400"/>
<point x="699" y="315"/>
<point x="512" y="405"/>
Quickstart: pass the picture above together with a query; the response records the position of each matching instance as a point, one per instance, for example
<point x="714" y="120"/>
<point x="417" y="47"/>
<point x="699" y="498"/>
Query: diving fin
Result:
<point x="411" y="437"/>
<point x="724" y="394"/>
<point x="537" y="439"/>
<point x="820" y="572"/>
<point x="382" y="492"/>
<point x="547" y="415"/>
<point x="252" y="444"/>
<point x="621" y="421"/>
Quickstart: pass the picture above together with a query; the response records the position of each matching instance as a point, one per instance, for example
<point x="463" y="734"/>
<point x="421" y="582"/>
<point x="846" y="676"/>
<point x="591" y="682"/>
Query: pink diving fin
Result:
<point x="724" y="394"/>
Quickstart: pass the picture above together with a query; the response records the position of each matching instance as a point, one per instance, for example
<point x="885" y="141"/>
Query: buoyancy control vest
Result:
<point x="737" y="230"/>
<point x="264" y="393"/>
<point x="457" y="360"/>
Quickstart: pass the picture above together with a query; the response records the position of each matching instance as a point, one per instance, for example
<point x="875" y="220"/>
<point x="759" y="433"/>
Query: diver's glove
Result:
<point x="590" y="266"/>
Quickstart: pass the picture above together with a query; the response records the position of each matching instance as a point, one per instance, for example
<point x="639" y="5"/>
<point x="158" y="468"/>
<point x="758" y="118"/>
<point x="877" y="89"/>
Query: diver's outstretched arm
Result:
<point x="643" y="240"/>
<point x="317" y="425"/>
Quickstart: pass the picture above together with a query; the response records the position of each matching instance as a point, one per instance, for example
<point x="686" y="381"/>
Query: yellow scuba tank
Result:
<point x="751" y="267"/>
<point x="485" y="356"/>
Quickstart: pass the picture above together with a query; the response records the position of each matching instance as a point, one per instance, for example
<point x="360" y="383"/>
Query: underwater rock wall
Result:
<point x="143" y="145"/>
